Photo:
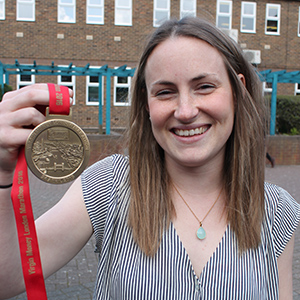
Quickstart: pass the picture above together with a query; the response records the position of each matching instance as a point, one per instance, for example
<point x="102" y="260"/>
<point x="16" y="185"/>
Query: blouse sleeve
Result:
<point x="99" y="184"/>
<point x="284" y="213"/>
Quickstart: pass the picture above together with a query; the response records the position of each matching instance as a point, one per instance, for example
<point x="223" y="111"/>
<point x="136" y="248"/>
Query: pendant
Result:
<point x="201" y="234"/>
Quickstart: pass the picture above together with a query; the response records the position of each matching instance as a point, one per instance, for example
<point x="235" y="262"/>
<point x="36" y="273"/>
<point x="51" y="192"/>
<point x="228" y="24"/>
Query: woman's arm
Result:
<point x="64" y="229"/>
<point x="285" y="266"/>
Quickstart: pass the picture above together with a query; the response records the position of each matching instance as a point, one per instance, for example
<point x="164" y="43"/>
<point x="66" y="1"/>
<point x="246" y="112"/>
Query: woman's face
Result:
<point x="190" y="101"/>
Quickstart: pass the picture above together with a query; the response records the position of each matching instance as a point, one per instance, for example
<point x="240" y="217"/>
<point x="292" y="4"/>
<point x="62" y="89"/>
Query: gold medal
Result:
<point x="57" y="150"/>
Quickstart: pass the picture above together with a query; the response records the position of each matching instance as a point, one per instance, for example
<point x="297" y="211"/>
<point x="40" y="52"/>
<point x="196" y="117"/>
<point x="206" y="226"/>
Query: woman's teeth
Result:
<point x="190" y="132"/>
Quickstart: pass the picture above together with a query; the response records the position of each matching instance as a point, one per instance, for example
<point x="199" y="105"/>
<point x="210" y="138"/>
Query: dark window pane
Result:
<point x="94" y="79"/>
<point x="272" y="26"/>
<point x="66" y="78"/>
<point x="122" y="94"/>
<point x="93" y="94"/>
<point x="123" y="80"/>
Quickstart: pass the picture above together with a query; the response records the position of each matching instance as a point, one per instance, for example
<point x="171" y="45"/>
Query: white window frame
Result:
<point x="93" y="84"/>
<point x="184" y="13"/>
<point x="71" y="83"/>
<point x="156" y="9"/>
<point x="60" y="6"/>
<point x="223" y="14"/>
<point x="23" y="83"/>
<point x="297" y="89"/>
<point x="30" y="4"/>
<point x="122" y="85"/>
<point x="248" y="16"/>
<point x="93" y="18"/>
<point x="266" y="89"/>
<point x="120" y="10"/>
<point x="299" y="22"/>
<point x="270" y="18"/>
<point x="2" y="9"/>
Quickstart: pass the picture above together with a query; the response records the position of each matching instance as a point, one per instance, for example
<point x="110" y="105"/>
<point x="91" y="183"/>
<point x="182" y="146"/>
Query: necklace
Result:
<point x="201" y="233"/>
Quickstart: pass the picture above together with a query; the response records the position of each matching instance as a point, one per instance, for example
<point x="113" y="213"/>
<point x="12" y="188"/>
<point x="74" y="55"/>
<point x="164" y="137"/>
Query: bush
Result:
<point x="287" y="114"/>
<point x="7" y="88"/>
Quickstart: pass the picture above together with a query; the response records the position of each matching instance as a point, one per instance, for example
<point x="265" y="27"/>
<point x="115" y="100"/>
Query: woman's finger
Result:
<point x="24" y="117"/>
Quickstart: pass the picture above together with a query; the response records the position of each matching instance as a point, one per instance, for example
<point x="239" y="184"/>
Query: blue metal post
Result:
<point x="100" y="116"/>
<point x="108" y="85"/>
<point x="1" y="78"/>
<point x="273" y="105"/>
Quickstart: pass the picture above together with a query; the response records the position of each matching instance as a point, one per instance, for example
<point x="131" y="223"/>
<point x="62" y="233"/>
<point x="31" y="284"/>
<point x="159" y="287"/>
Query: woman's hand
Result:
<point x="20" y="111"/>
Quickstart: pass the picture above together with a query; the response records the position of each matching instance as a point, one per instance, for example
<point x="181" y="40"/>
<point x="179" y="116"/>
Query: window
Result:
<point x="66" y="11"/>
<point x="92" y="90"/>
<point x="95" y="12"/>
<point x="68" y="81"/>
<point x="248" y="17"/>
<point x="2" y="9"/>
<point x="161" y="12"/>
<point x="188" y="8"/>
<point x="25" y="79"/>
<point x="25" y="10"/>
<point x="121" y="90"/>
<point x="299" y="22"/>
<point x="224" y="14"/>
<point x="267" y="88"/>
<point x="297" y="89"/>
<point x="123" y="12"/>
<point x="273" y="19"/>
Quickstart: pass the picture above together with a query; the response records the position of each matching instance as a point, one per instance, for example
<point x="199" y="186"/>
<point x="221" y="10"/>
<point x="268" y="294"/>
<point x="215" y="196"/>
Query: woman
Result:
<point x="187" y="215"/>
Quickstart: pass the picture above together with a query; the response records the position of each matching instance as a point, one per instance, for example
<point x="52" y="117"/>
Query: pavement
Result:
<point x="76" y="280"/>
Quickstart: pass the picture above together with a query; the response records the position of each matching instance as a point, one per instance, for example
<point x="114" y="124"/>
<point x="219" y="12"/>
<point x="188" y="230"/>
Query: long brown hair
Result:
<point x="151" y="207"/>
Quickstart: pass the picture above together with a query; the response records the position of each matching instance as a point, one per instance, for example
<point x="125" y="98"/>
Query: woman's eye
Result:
<point x="163" y="93"/>
<point x="205" y="87"/>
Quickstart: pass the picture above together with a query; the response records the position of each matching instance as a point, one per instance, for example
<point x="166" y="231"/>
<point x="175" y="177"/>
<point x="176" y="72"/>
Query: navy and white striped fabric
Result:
<point x="124" y="272"/>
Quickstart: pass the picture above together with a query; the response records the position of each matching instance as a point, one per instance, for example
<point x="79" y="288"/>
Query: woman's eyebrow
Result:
<point x="199" y="77"/>
<point x="204" y="75"/>
<point x="162" y="82"/>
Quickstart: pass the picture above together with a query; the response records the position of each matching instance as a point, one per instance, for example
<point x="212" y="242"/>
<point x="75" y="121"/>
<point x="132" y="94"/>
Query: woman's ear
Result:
<point x="242" y="78"/>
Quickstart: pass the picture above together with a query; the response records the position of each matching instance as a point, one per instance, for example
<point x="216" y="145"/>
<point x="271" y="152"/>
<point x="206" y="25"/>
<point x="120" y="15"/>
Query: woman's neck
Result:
<point x="196" y="180"/>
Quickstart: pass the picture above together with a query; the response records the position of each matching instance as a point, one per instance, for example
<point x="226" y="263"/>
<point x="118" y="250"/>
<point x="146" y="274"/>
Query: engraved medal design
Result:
<point x="57" y="151"/>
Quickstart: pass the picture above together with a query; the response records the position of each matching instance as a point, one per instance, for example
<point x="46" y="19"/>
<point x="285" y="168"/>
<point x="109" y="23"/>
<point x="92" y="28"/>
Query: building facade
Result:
<point x="112" y="32"/>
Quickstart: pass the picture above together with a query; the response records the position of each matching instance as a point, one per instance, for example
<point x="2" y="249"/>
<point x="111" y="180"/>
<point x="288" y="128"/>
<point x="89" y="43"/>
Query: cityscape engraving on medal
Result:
<point x="57" y="151"/>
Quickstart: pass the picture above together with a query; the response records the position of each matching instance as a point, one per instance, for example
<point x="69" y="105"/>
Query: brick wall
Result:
<point x="285" y="149"/>
<point x="40" y="43"/>
<point x="103" y="146"/>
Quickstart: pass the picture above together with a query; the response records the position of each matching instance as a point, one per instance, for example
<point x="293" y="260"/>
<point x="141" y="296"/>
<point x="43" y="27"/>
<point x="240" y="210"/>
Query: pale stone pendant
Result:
<point x="201" y="234"/>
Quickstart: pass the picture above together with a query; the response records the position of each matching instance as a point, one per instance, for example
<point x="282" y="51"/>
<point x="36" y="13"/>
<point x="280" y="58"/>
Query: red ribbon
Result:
<point x="59" y="103"/>
<point x="59" y="99"/>
<point x="29" y="249"/>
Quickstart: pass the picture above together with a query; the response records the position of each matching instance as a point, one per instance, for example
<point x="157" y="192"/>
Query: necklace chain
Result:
<point x="200" y="222"/>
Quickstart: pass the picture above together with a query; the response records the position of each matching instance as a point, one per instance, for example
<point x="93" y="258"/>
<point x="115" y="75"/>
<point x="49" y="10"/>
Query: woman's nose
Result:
<point x="186" y="109"/>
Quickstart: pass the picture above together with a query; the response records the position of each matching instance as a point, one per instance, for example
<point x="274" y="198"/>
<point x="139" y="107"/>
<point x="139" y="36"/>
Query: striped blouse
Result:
<point x="124" y="272"/>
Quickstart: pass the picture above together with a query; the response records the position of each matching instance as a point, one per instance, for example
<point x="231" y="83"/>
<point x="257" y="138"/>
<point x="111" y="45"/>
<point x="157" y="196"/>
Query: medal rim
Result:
<point x="57" y="123"/>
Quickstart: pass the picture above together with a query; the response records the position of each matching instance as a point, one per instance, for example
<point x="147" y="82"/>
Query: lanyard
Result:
<point x="20" y="194"/>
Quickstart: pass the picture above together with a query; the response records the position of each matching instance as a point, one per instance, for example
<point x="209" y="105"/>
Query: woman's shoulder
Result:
<point x="106" y="172"/>
<point x="282" y="215"/>
<point x="276" y="197"/>
<point x="109" y="163"/>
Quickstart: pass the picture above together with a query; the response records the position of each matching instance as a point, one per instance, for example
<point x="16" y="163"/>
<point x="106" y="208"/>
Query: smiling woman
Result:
<point x="187" y="215"/>
<point x="191" y="77"/>
<point x="205" y="134"/>
<point x="188" y="90"/>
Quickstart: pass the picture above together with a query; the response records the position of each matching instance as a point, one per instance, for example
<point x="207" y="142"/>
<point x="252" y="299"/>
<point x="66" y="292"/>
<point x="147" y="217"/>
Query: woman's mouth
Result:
<point x="191" y="132"/>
